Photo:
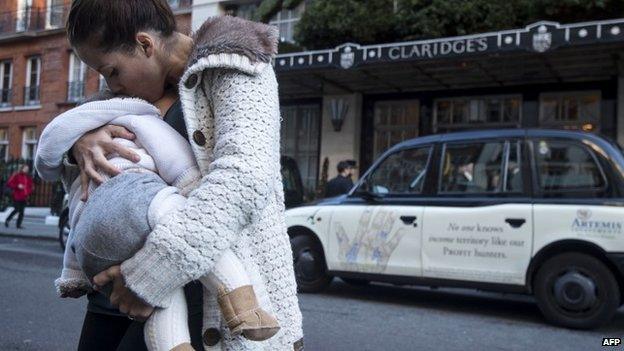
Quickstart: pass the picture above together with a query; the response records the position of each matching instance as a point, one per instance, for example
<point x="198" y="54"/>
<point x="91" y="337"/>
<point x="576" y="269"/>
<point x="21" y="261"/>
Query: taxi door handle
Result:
<point x="408" y="219"/>
<point x="515" y="222"/>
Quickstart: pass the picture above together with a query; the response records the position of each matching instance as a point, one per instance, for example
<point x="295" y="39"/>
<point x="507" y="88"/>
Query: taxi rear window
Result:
<point x="563" y="165"/>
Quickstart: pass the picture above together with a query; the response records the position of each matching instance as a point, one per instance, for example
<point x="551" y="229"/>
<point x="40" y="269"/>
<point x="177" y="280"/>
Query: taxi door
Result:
<point x="480" y="225"/>
<point x="383" y="236"/>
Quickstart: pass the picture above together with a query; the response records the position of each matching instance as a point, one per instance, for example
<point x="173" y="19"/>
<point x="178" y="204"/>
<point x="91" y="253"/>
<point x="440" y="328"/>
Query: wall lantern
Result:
<point x="338" y="109"/>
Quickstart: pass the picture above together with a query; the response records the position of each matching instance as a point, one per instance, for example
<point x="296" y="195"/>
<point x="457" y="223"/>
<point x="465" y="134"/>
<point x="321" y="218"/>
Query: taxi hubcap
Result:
<point x="575" y="291"/>
<point x="306" y="265"/>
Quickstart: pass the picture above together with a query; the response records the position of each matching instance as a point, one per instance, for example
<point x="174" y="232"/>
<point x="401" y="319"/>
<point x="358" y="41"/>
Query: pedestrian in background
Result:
<point x="21" y="185"/>
<point x="342" y="183"/>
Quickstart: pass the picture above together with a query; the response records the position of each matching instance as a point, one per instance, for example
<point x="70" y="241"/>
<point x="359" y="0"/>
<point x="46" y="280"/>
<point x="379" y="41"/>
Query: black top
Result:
<point x="99" y="303"/>
<point x="338" y="186"/>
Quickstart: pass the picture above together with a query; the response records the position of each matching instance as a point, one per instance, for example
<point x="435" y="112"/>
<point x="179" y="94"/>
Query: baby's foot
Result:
<point x="243" y="314"/>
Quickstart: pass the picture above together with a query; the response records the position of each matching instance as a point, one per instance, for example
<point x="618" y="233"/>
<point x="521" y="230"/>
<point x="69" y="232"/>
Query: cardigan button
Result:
<point x="199" y="138"/>
<point x="191" y="81"/>
<point x="212" y="336"/>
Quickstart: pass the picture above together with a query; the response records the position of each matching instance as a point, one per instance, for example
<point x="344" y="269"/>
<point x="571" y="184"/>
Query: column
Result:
<point x="343" y="144"/>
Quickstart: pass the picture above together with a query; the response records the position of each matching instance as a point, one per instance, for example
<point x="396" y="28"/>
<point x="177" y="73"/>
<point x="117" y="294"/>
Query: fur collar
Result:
<point x="231" y="35"/>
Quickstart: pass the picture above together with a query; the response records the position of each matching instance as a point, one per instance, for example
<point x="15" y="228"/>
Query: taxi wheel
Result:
<point x="576" y="290"/>
<point x="309" y="261"/>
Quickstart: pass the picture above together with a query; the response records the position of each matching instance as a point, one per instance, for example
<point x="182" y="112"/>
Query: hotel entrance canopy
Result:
<point x="544" y="52"/>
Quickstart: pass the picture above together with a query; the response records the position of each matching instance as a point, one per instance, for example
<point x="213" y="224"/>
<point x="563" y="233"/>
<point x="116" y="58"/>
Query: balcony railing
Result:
<point x="6" y="95"/>
<point x="75" y="91"/>
<point x="33" y="19"/>
<point x="31" y="96"/>
<point x="180" y="4"/>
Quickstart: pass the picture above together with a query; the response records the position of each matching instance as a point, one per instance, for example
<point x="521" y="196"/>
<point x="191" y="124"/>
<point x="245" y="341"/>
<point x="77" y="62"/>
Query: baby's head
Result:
<point x="103" y="95"/>
<point x="163" y="104"/>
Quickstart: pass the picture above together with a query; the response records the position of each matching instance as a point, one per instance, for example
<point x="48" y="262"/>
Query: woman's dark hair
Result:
<point x="113" y="24"/>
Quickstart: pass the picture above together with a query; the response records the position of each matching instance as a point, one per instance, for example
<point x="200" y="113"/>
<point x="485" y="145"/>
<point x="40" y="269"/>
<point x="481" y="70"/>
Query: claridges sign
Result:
<point x="539" y="37"/>
<point x="435" y="49"/>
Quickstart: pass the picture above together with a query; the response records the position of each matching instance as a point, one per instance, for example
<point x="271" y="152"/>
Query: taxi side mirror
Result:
<point x="365" y="192"/>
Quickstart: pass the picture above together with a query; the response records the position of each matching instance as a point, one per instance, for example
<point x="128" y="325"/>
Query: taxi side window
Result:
<point x="481" y="168"/>
<point x="563" y="165"/>
<point x="401" y="173"/>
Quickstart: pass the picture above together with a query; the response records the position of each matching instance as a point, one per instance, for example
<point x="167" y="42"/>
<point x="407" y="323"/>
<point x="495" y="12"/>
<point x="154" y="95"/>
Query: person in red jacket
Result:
<point x="21" y="185"/>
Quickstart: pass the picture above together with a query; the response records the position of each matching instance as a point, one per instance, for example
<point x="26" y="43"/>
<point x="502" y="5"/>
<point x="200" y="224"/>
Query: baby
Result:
<point x="113" y="224"/>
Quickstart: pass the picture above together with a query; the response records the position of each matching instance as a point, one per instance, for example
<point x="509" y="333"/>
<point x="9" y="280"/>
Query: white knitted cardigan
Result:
<point x="231" y="109"/>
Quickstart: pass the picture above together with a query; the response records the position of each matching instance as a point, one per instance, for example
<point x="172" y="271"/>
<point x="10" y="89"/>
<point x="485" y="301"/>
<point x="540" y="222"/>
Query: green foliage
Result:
<point x="440" y="18"/>
<point x="328" y="23"/>
<point x="269" y="8"/>
<point x="569" y="11"/>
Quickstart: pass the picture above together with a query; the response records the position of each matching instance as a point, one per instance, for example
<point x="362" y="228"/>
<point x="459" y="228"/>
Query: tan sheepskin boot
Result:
<point x="183" y="347"/>
<point x="243" y="314"/>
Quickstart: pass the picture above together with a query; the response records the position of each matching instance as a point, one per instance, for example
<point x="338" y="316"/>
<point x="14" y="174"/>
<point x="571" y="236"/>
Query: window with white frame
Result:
<point x="174" y="4"/>
<point x="477" y="111"/>
<point x="54" y="13"/>
<point x="29" y="143"/>
<point x="77" y="78"/>
<point x="6" y="82"/>
<point x="22" y="20"/>
<point x="286" y="20"/>
<point x="245" y="11"/>
<point x="571" y="110"/>
<point x="4" y="144"/>
<point x="33" y="78"/>
<point x="102" y="85"/>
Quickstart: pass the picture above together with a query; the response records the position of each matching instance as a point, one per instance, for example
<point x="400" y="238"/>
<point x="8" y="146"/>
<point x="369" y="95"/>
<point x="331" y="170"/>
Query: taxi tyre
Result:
<point x="309" y="262"/>
<point x="565" y="279"/>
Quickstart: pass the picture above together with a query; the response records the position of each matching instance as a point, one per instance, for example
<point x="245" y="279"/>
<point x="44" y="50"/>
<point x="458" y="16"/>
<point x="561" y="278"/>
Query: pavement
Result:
<point x="38" y="223"/>
<point x="343" y="317"/>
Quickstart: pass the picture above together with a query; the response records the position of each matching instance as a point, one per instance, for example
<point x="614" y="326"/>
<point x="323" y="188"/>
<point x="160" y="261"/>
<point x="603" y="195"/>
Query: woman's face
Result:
<point x="138" y="74"/>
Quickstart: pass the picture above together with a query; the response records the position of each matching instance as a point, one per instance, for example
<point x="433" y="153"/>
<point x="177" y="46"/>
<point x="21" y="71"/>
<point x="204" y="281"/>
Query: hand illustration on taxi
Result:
<point x="373" y="243"/>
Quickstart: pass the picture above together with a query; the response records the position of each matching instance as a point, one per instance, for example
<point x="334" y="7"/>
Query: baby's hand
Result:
<point x="73" y="288"/>
<point x="74" y="293"/>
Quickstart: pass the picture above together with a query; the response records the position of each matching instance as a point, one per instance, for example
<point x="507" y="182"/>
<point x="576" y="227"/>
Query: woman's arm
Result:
<point x="64" y="131"/>
<point x="234" y="191"/>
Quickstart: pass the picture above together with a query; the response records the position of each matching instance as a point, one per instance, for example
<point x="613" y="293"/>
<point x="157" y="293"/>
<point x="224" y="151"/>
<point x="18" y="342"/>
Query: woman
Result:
<point x="21" y="185"/>
<point x="228" y="94"/>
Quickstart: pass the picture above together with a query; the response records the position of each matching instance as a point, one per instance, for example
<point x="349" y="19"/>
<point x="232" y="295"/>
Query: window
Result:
<point x="22" y="21"/>
<point x="395" y="121"/>
<point x="4" y="144"/>
<point x="245" y="11"/>
<point x="474" y="168"/>
<point x="300" y="140"/>
<point x="103" y="85"/>
<point x="54" y="13"/>
<point x="565" y="165"/>
<point x="286" y="20"/>
<point x="29" y="143"/>
<point x="77" y="76"/>
<point x="401" y="173"/>
<point x="174" y="4"/>
<point x="513" y="168"/>
<point x="33" y="77"/>
<point x="570" y="110"/>
<point x="6" y="81"/>
<point x="483" y="111"/>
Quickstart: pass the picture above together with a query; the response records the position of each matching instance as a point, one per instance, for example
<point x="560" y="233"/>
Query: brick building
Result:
<point x="40" y="76"/>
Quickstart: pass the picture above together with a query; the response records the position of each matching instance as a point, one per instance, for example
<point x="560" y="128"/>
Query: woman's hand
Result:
<point x="91" y="149"/>
<point x="122" y="297"/>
